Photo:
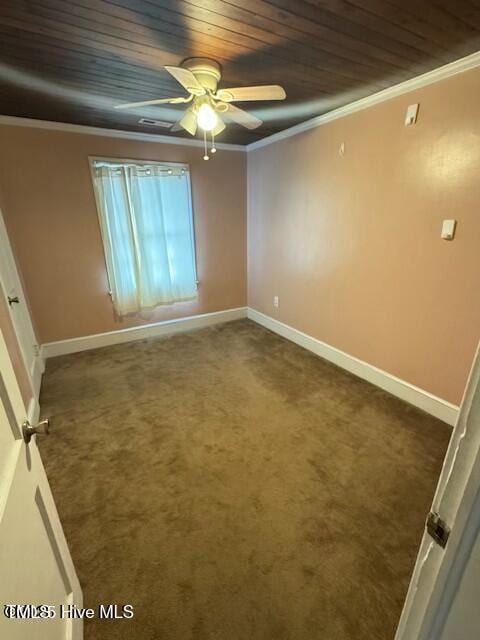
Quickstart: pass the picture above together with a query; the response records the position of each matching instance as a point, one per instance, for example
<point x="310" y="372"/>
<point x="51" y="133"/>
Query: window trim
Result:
<point x="133" y="161"/>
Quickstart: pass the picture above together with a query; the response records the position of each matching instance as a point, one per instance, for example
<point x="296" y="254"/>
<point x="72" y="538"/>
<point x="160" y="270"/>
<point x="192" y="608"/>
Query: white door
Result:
<point x="35" y="564"/>
<point x="12" y="290"/>
<point x="443" y="601"/>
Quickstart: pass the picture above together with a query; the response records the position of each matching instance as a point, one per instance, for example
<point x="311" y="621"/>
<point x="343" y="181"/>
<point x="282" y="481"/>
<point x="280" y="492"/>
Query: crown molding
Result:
<point x="442" y="73"/>
<point x="13" y="121"/>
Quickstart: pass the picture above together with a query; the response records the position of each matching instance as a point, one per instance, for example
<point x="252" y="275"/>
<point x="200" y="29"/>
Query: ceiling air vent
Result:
<point x="155" y="123"/>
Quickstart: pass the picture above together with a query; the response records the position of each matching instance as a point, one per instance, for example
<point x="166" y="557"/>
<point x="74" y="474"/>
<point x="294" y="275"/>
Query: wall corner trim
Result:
<point x="441" y="409"/>
<point x="441" y="73"/>
<point x="163" y="328"/>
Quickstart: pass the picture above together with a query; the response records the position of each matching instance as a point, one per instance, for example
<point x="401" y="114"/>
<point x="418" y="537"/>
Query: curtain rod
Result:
<point x="142" y="165"/>
<point x="145" y="167"/>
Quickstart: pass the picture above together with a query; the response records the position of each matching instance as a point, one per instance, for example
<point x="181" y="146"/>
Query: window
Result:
<point x="145" y="212"/>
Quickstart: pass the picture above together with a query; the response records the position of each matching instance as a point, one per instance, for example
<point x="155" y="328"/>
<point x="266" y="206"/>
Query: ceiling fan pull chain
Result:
<point x="213" y="149"/>
<point x="205" y="157"/>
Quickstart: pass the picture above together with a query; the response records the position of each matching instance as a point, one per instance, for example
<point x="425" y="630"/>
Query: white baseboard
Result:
<point x="441" y="409"/>
<point x="167" y="327"/>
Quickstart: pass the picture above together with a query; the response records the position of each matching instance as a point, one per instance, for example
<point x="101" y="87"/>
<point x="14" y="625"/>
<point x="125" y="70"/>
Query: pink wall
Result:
<point x="352" y="247"/>
<point x="51" y="217"/>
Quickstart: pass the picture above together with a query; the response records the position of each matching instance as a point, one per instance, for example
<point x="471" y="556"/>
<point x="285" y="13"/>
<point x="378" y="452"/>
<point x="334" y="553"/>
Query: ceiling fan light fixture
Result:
<point x="189" y="122"/>
<point x="207" y="119"/>
<point x="209" y="104"/>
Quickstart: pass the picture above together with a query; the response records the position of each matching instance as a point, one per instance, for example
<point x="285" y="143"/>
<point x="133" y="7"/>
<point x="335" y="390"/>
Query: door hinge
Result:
<point x="438" y="529"/>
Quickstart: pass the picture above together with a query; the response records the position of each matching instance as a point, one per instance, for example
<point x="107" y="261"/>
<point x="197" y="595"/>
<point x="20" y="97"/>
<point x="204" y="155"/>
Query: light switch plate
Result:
<point x="448" y="229"/>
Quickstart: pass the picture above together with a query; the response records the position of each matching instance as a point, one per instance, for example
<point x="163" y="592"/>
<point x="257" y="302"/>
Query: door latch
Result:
<point x="438" y="529"/>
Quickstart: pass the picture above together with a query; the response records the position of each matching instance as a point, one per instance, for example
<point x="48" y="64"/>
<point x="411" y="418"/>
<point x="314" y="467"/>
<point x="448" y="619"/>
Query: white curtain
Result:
<point x="147" y="228"/>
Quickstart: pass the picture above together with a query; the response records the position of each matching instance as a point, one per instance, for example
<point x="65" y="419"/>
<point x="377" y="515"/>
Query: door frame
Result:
<point x="9" y="270"/>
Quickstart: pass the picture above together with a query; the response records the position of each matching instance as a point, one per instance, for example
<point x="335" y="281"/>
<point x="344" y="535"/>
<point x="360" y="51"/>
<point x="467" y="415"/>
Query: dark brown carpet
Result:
<point x="232" y="486"/>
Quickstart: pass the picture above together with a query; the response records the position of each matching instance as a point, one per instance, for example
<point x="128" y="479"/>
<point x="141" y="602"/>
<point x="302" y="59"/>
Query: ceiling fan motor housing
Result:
<point x="207" y="72"/>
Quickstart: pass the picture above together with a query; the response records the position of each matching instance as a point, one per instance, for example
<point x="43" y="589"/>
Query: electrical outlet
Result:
<point x="275" y="301"/>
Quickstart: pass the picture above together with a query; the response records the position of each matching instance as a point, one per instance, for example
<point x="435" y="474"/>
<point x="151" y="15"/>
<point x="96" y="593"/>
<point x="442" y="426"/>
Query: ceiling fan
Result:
<point x="208" y="103"/>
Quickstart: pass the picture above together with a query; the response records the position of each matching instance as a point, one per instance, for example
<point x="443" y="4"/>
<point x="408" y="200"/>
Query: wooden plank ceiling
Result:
<point x="72" y="60"/>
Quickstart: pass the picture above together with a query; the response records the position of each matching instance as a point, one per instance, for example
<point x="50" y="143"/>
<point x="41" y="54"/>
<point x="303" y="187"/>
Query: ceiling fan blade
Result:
<point x="187" y="80"/>
<point x="189" y="122"/>
<point x="145" y="103"/>
<point x="241" y="94"/>
<point x="242" y="117"/>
